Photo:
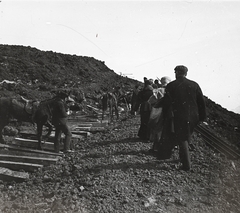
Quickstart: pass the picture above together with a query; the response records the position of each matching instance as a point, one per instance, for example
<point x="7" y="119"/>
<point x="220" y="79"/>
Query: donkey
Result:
<point x="20" y="109"/>
<point x="109" y="100"/>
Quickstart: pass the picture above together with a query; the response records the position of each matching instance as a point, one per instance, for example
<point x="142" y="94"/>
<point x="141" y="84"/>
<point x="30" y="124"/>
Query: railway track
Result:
<point x="217" y="144"/>
<point x="20" y="156"/>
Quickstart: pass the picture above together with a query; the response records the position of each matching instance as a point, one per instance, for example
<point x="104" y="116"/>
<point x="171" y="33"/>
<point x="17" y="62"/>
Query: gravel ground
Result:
<point x="114" y="172"/>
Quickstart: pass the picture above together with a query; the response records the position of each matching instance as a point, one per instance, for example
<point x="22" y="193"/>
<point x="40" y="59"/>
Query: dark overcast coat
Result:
<point x="145" y="110"/>
<point x="184" y="98"/>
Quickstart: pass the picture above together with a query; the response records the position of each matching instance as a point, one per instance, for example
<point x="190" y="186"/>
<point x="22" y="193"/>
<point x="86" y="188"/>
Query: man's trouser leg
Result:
<point x="184" y="155"/>
<point x="68" y="137"/>
<point x="57" y="138"/>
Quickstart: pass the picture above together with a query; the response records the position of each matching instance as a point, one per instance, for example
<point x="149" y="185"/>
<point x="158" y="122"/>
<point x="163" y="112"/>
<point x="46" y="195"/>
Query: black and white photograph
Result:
<point x="119" y="106"/>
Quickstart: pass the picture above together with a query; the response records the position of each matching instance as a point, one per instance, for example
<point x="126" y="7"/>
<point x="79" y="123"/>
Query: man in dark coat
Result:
<point x="183" y="108"/>
<point x="59" y="120"/>
<point x="134" y="99"/>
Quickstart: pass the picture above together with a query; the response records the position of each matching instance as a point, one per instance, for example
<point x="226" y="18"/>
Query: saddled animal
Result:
<point x="125" y="100"/>
<point x="109" y="100"/>
<point x="20" y="109"/>
<point x="123" y="97"/>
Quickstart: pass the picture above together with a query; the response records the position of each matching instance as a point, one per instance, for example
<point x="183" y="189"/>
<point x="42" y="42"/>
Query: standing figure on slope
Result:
<point x="183" y="108"/>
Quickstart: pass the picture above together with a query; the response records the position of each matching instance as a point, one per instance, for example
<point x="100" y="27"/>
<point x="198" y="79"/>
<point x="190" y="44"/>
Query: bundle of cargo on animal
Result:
<point x="21" y="109"/>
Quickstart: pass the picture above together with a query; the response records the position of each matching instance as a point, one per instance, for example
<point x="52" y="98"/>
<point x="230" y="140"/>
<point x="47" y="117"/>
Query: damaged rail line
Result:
<point x="217" y="144"/>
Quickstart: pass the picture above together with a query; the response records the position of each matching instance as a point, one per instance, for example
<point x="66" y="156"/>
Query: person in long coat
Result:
<point x="183" y="108"/>
<point x="145" y="110"/>
<point x="134" y="99"/>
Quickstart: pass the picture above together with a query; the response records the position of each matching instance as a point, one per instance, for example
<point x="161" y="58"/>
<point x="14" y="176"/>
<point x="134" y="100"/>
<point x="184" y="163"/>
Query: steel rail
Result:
<point x="216" y="143"/>
<point x="218" y="147"/>
<point x="219" y="143"/>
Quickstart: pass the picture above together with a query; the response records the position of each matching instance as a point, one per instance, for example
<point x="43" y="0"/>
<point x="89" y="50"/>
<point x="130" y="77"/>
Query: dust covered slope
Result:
<point x="48" y="70"/>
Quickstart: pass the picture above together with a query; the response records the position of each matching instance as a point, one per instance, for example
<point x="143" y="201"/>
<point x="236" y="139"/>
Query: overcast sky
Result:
<point x="138" y="38"/>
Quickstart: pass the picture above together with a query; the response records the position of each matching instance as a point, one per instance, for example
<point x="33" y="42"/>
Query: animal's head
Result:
<point x="62" y="94"/>
<point x="77" y="95"/>
<point x="99" y="100"/>
<point x="76" y="107"/>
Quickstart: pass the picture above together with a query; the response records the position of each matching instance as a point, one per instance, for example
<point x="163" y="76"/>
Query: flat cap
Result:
<point x="180" y="69"/>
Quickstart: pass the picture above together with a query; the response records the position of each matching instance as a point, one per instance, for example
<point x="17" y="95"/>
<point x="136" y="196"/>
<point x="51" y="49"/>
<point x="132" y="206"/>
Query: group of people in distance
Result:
<point x="169" y="112"/>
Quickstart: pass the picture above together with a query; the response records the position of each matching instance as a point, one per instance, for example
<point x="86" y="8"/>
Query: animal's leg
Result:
<point x="39" y="135"/>
<point x="50" y="127"/>
<point x="111" y="112"/>
<point x="116" y="111"/>
<point x="103" y="115"/>
<point x="3" y="122"/>
<point x="126" y="103"/>
<point x="1" y="137"/>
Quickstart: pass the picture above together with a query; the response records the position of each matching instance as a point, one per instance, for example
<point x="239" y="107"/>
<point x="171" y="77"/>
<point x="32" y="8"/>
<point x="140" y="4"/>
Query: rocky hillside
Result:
<point x="43" y="71"/>
<point x="38" y="72"/>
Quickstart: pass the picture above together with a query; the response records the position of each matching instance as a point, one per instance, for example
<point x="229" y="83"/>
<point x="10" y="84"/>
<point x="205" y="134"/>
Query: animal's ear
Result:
<point x="70" y="99"/>
<point x="69" y="92"/>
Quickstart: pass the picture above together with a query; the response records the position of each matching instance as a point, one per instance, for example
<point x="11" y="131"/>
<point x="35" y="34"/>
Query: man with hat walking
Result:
<point x="183" y="108"/>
